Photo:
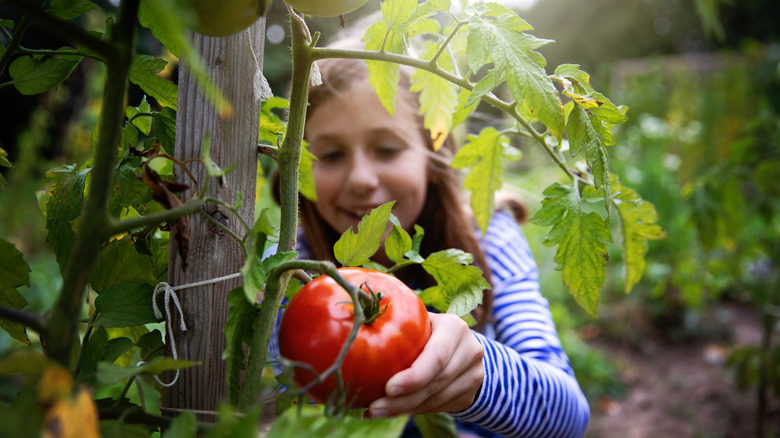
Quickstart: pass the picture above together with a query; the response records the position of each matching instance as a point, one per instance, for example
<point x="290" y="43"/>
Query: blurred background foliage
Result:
<point x="702" y="81"/>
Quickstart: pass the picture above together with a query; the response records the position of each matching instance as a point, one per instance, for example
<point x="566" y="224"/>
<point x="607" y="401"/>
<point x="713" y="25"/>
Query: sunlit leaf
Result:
<point x="485" y="154"/>
<point x="438" y="97"/>
<point x="355" y="249"/>
<point x="143" y="72"/>
<point x="581" y="238"/>
<point x="459" y="285"/>
<point x="638" y="222"/>
<point x="384" y="76"/>
<point x="398" y="242"/>
<point x="310" y="421"/>
<point x="63" y="207"/>
<point x="583" y="135"/>
<point x="306" y="176"/>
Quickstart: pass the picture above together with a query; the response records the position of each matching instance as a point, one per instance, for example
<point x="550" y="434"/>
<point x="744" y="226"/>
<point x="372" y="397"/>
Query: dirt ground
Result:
<point x="682" y="389"/>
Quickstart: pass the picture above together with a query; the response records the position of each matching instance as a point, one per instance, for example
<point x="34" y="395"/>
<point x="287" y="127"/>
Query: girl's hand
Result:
<point x="445" y="377"/>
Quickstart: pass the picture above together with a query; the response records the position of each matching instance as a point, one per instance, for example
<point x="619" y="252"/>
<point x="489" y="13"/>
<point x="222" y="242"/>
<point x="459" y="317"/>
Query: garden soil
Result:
<point x="682" y="388"/>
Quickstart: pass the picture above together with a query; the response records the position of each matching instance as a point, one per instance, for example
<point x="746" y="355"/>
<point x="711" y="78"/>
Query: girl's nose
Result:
<point x="362" y="176"/>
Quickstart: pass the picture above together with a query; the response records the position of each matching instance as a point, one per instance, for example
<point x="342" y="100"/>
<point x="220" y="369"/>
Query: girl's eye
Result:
<point x="330" y="156"/>
<point x="388" y="150"/>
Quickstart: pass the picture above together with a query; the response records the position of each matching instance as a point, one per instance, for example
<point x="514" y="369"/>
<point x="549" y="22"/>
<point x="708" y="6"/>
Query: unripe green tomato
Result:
<point x="325" y="8"/>
<point x="225" y="17"/>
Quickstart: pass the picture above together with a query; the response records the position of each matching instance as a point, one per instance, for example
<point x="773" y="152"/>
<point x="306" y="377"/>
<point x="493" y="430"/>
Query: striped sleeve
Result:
<point x="529" y="388"/>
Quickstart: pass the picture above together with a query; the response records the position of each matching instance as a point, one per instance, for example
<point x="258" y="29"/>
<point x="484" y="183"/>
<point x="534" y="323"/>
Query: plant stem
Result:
<point x="289" y="159"/>
<point x="506" y="107"/>
<point x="31" y="320"/>
<point x="95" y="226"/>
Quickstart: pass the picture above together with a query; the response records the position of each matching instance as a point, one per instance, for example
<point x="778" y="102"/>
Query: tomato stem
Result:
<point x="371" y="303"/>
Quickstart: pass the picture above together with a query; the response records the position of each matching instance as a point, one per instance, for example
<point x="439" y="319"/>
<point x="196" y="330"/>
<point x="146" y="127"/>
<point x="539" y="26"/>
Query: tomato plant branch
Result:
<point x="120" y="226"/>
<point x="446" y="44"/>
<point x="95" y="226"/>
<point x="507" y="107"/>
<point x="29" y="319"/>
<point x="67" y="29"/>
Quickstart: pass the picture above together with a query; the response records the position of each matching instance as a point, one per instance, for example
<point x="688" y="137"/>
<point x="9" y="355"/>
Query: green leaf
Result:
<point x="438" y="425"/>
<point x="184" y="425"/>
<point x="120" y="263"/>
<point x="398" y="242"/>
<point x="485" y="154"/>
<point x="11" y="298"/>
<point x="387" y="35"/>
<point x="306" y="179"/>
<point x="4" y="159"/>
<point x="255" y="269"/>
<point x="238" y="331"/>
<point x="512" y="52"/>
<point x="167" y="20"/>
<point x="63" y="207"/>
<point x="143" y="72"/>
<point x="165" y="129"/>
<point x="464" y="109"/>
<point x="70" y="9"/>
<point x="109" y="374"/>
<point x="438" y="96"/>
<point x="581" y="238"/>
<point x="272" y="126"/>
<point x="356" y="249"/>
<point x="459" y="284"/>
<point x="143" y="122"/>
<point x="125" y="305"/>
<point x="638" y="221"/>
<point x="582" y="135"/>
<point x="310" y="421"/>
<point x="14" y="271"/>
<point x="31" y="76"/>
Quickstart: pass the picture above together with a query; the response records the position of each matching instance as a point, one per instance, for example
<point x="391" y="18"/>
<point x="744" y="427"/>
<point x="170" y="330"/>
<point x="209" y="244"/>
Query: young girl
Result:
<point x="508" y="376"/>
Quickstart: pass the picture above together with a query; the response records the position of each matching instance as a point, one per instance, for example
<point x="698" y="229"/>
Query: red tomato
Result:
<point x="317" y="321"/>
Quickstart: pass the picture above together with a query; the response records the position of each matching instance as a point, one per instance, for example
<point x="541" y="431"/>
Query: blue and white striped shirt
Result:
<point x="529" y="388"/>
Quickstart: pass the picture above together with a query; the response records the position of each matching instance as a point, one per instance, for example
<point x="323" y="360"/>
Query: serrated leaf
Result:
<point x="438" y="97"/>
<point x="256" y="269"/>
<point x="110" y="374"/>
<point x="310" y="421"/>
<point x="120" y="263"/>
<point x="165" y="129"/>
<point x="638" y="222"/>
<point x="581" y="238"/>
<point x="306" y="176"/>
<point x="459" y="285"/>
<point x="14" y="271"/>
<point x="238" y="331"/>
<point x="70" y="9"/>
<point x="31" y="76"/>
<point x="485" y="154"/>
<point x="398" y="242"/>
<point x="272" y="127"/>
<point x="582" y="135"/>
<point x="512" y="52"/>
<point x="12" y="299"/>
<point x="384" y="76"/>
<point x="125" y="305"/>
<point x="464" y="109"/>
<point x="397" y="12"/>
<point x="427" y="9"/>
<point x="4" y="159"/>
<point x="142" y="122"/>
<point x="491" y="80"/>
<point x="63" y="207"/>
<point x="355" y="249"/>
<point x="167" y="21"/>
<point x="143" y="72"/>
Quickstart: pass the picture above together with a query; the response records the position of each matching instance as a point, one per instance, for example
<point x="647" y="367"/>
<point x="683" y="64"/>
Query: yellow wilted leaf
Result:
<point x="72" y="418"/>
<point x="56" y="384"/>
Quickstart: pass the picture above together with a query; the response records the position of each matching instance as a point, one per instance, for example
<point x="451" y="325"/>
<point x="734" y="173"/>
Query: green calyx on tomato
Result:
<point x="319" y="318"/>
<point x="320" y="8"/>
<point x="226" y="17"/>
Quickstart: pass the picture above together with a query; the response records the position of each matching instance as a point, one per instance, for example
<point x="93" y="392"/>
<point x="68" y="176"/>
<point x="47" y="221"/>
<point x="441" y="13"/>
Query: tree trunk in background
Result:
<point x="213" y="253"/>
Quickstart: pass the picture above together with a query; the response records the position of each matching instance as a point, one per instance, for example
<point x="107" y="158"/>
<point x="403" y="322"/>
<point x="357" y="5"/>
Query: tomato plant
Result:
<point x="320" y="317"/>
<point x="327" y="8"/>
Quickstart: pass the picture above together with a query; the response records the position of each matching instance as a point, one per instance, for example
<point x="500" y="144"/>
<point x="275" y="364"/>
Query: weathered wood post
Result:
<point x="231" y="62"/>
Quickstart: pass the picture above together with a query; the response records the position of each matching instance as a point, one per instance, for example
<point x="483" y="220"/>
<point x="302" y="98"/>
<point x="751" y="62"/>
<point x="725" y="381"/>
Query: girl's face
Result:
<point x="366" y="158"/>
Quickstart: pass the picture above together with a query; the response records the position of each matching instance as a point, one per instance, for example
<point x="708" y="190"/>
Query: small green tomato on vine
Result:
<point x="319" y="319"/>
<point x="325" y="8"/>
<point x="226" y="17"/>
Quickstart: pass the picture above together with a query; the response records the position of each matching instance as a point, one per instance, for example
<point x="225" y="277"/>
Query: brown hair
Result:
<point x="443" y="218"/>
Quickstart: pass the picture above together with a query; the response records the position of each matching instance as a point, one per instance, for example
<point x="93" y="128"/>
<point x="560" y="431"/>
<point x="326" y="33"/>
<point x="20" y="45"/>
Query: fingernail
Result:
<point x="394" y="391"/>
<point x="378" y="413"/>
